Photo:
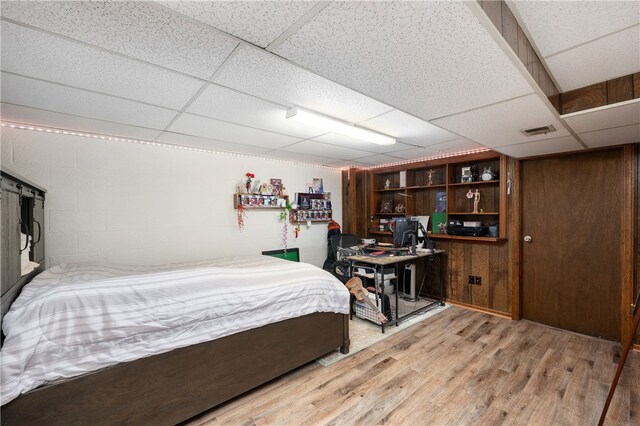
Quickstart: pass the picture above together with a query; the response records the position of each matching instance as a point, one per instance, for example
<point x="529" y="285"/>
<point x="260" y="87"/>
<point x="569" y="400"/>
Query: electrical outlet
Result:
<point x="472" y="279"/>
<point x="478" y="280"/>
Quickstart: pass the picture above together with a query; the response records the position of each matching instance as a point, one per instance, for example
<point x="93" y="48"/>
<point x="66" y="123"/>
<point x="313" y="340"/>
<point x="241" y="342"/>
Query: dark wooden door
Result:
<point x="571" y="209"/>
<point x="10" y="249"/>
<point x="38" y="230"/>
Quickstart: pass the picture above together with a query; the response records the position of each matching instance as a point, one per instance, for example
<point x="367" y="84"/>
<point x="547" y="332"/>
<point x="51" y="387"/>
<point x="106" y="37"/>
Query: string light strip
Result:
<point x="430" y="158"/>
<point x="60" y="131"/>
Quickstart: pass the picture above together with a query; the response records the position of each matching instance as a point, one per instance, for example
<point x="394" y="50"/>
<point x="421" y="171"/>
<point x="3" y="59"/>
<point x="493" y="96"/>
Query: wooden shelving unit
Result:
<point x="259" y="201"/>
<point x="312" y="208"/>
<point x="423" y="182"/>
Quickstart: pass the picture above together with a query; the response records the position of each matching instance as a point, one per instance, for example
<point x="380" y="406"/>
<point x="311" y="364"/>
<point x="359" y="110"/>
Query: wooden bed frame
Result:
<point x="174" y="386"/>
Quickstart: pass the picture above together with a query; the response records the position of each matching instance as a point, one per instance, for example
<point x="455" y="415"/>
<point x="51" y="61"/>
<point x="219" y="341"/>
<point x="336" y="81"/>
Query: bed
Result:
<point x="101" y="344"/>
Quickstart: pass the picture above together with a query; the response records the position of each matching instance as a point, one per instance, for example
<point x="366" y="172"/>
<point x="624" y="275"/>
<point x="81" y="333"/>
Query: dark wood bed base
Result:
<point x="175" y="386"/>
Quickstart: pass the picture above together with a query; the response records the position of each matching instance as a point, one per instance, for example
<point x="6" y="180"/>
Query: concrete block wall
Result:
<point x="120" y="202"/>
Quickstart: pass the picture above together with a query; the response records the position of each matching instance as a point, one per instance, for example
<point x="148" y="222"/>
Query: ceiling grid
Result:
<point x="221" y="75"/>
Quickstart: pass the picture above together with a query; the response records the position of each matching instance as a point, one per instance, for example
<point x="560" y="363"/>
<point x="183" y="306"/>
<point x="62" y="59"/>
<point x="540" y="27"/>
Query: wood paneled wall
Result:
<point x="488" y="261"/>
<point x="605" y="93"/>
<point x="355" y="199"/>
<point x="636" y="191"/>
<point x="504" y="20"/>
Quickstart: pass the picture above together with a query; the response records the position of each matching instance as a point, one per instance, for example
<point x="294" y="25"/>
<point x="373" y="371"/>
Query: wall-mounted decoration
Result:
<point x="242" y="214"/>
<point x="276" y="186"/>
<point x="284" y="214"/>
<point x="312" y="208"/>
<point x="259" y="201"/>
<point x="317" y="186"/>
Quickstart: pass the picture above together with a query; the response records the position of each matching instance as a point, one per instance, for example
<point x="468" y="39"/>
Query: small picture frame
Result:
<point x="467" y="174"/>
<point x="317" y="186"/>
<point x="276" y="185"/>
<point x="386" y="206"/>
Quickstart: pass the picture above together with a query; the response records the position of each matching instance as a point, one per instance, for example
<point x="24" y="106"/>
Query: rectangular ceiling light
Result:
<point x="338" y="126"/>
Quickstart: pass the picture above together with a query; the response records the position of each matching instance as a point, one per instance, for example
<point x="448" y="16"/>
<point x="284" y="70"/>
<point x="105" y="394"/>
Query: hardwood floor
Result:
<point x="459" y="367"/>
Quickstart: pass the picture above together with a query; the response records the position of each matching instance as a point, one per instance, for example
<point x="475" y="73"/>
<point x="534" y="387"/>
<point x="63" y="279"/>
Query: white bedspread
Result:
<point x="73" y="319"/>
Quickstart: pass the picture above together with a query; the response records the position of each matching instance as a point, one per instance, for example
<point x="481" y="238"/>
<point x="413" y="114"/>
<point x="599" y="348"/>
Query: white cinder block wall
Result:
<point x="121" y="202"/>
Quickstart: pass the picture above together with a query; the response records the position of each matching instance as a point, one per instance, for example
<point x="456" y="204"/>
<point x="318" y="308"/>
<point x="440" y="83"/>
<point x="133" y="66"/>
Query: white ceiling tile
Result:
<point x="610" y="137"/>
<point x="416" y="153"/>
<point x="209" y="128"/>
<point x="345" y="164"/>
<point x="258" y="22"/>
<point x="211" y="144"/>
<point x="334" y="151"/>
<point x="547" y="146"/>
<point x="458" y="145"/>
<point x="54" y="97"/>
<point x="615" y="115"/>
<point x="560" y="25"/>
<point x="229" y="105"/>
<point x="300" y="157"/>
<point x="500" y="124"/>
<point x="137" y="29"/>
<point x="378" y="159"/>
<point x="600" y="60"/>
<point x="429" y="59"/>
<point x="264" y="75"/>
<point x="40" y="117"/>
<point x="349" y="142"/>
<point x="408" y="129"/>
<point x="39" y="55"/>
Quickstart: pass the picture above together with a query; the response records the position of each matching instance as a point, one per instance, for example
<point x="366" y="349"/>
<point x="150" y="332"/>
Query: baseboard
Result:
<point x="480" y="309"/>
<point x="636" y="347"/>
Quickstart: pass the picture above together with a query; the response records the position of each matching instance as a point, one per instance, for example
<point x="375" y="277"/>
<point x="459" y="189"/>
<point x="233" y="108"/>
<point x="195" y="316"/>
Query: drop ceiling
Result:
<point x="437" y="76"/>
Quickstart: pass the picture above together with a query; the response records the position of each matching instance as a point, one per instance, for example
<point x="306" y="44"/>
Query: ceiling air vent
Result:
<point x="539" y="130"/>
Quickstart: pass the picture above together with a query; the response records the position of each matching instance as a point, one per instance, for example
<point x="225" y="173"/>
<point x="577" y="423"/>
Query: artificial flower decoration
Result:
<point x="242" y="213"/>
<point x="249" y="176"/>
<point x="284" y="215"/>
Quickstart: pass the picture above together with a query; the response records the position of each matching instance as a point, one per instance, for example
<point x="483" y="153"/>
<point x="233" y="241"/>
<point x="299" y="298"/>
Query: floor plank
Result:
<point x="459" y="367"/>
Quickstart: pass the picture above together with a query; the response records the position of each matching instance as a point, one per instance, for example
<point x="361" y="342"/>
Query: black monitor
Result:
<point x="405" y="231"/>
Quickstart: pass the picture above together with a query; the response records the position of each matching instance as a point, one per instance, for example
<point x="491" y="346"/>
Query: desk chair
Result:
<point x="339" y="268"/>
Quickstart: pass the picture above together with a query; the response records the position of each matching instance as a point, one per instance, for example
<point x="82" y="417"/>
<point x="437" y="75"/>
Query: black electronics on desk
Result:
<point x="455" y="227"/>
<point x="405" y="231"/>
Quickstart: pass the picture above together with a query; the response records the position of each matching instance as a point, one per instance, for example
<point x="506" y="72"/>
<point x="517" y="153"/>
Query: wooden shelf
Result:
<point x="473" y="214"/>
<point x="427" y="186"/>
<point x="465" y="238"/>
<point x="381" y="232"/>
<point x="259" y="201"/>
<point x="389" y="190"/>
<point x="477" y="182"/>
<point x="423" y="199"/>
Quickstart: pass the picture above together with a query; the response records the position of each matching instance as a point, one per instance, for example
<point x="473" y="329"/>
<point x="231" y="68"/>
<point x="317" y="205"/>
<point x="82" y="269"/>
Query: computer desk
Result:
<point x="377" y="263"/>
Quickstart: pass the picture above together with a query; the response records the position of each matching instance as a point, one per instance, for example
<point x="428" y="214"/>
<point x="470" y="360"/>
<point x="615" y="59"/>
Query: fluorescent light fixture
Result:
<point x="338" y="126"/>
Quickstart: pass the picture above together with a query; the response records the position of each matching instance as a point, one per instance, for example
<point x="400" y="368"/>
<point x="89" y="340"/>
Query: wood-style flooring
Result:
<point x="459" y="367"/>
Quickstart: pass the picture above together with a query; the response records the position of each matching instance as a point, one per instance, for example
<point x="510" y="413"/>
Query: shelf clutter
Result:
<point x="312" y="208"/>
<point x="453" y="191"/>
<point x="259" y="201"/>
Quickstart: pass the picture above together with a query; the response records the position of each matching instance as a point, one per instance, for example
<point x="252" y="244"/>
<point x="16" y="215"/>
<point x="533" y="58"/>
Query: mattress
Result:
<point x="75" y="319"/>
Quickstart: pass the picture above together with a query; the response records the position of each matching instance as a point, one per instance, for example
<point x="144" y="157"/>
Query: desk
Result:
<point x="379" y="262"/>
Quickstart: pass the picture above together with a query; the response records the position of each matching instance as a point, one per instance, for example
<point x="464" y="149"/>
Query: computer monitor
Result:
<point x="403" y="231"/>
